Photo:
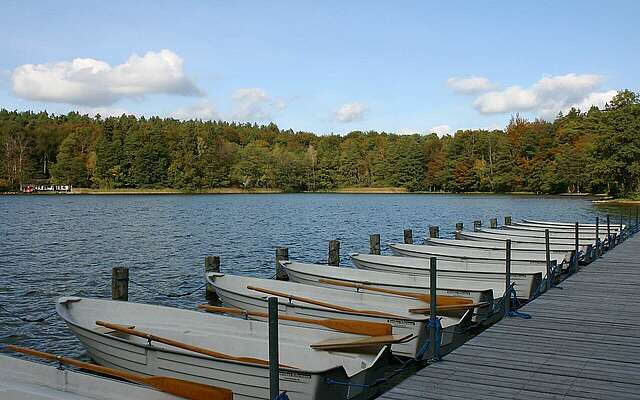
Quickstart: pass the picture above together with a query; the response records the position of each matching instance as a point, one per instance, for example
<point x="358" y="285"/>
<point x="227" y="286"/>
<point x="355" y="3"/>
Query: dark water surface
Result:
<point x="66" y="245"/>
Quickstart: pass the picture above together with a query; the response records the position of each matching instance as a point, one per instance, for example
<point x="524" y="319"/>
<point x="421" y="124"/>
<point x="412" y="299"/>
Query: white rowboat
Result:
<point x="233" y="291"/>
<point x="303" y="371"/>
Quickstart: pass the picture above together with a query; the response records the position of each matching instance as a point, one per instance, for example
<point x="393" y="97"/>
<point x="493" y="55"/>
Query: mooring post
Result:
<point x="334" y="253"/>
<point x="507" y="220"/>
<point x="493" y="223"/>
<point x="458" y="235"/>
<point x="211" y="264"/>
<point x="459" y="226"/>
<point x="609" y="232"/>
<point x="507" y="299"/>
<point x="374" y="243"/>
<point x="577" y="248"/>
<point x="274" y="357"/>
<point x="433" y="314"/>
<point x="598" y="243"/>
<point x="408" y="236"/>
<point x="434" y="232"/>
<point x="477" y="224"/>
<point x="282" y="254"/>
<point x="620" y="237"/>
<point x="548" y="258"/>
<point x="120" y="283"/>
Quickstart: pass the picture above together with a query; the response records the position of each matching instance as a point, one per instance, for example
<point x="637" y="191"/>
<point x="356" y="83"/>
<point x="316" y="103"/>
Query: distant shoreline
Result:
<point x="348" y="190"/>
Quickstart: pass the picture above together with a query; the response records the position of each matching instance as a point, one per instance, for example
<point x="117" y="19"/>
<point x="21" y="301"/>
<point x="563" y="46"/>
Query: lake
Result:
<point x="67" y="245"/>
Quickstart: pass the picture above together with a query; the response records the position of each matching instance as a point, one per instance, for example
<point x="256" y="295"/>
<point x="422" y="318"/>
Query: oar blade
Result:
<point x="359" y="327"/>
<point x="189" y="390"/>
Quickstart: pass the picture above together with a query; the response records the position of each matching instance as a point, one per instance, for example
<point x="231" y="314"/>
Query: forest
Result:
<point x="592" y="151"/>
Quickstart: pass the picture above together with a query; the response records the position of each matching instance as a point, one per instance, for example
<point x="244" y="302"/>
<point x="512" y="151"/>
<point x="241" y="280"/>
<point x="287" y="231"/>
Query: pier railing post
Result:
<point x="493" y="223"/>
<point x="574" y="265"/>
<point x="548" y="258"/>
<point x="408" y="236"/>
<point x="434" y="232"/>
<point x="507" y="220"/>
<point x="433" y="314"/>
<point x="274" y="357"/>
<point x="334" y="253"/>
<point x="282" y="254"/>
<point x="120" y="283"/>
<point x="374" y="243"/>
<point x="507" y="299"/>
<point x="598" y="242"/>
<point x="477" y="224"/>
<point x="609" y="232"/>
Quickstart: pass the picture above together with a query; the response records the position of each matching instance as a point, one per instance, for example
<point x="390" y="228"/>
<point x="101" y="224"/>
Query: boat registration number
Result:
<point x="291" y="376"/>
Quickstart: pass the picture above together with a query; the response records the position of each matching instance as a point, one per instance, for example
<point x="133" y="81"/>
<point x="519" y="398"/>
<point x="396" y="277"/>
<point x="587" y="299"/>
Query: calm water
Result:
<point x="66" y="245"/>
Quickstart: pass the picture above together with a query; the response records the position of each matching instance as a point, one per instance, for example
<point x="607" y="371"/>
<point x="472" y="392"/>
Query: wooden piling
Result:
<point x="477" y="225"/>
<point x="609" y="245"/>
<point x="507" y="220"/>
<point x="598" y="241"/>
<point x="282" y="254"/>
<point x="408" y="236"/>
<point x="493" y="223"/>
<point x="458" y="235"/>
<point x="548" y="258"/>
<point x="459" y="226"/>
<point x="374" y="243"/>
<point x="274" y="356"/>
<point x="211" y="264"/>
<point x="577" y="248"/>
<point x="434" y="232"/>
<point x="334" y="253"/>
<point x="507" y="300"/>
<point x="120" y="283"/>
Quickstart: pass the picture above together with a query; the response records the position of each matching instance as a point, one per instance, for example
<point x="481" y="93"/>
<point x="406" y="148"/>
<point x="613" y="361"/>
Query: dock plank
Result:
<point x="582" y="342"/>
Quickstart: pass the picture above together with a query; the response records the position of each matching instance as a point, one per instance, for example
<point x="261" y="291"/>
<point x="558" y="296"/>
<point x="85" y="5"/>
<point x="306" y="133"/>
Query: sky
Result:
<point x="319" y="66"/>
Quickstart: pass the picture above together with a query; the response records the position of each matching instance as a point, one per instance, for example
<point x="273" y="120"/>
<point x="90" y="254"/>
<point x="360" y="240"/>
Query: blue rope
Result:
<point x="282" y="396"/>
<point x="425" y="347"/>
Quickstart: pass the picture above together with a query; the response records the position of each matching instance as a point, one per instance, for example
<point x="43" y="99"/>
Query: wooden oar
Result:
<point x="176" y="387"/>
<point x="327" y="305"/>
<point x="452" y="307"/>
<point x="441" y="299"/>
<point x="351" y="344"/>
<point x="184" y="346"/>
<point x="337" y="324"/>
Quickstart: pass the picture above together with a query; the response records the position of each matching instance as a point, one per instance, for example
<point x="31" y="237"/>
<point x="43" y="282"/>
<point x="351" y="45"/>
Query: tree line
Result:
<point x="594" y="151"/>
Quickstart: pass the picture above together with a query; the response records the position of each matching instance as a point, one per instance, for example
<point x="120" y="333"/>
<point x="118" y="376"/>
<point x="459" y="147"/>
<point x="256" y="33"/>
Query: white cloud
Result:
<point x="441" y="130"/>
<point x="470" y="85"/>
<point x="254" y="104"/>
<point x="546" y="97"/>
<point x="351" y="112"/>
<point x="90" y="82"/>
<point x="598" y="99"/>
<point x="204" y="110"/>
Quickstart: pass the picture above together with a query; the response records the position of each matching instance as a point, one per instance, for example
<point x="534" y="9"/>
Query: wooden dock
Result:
<point x="582" y="342"/>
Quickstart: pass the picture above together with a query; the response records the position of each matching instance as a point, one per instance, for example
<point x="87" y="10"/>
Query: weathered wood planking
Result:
<point x="583" y="342"/>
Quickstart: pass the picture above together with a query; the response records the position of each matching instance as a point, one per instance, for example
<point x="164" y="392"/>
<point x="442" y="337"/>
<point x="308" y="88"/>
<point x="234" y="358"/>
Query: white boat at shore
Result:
<point x="236" y="350"/>
<point x="527" y="277"/>
<point x="445" y="253"/>
<point x="296" y="299"/>
<point x="489" y="245"/>
<point x="321" y="275"/>
<point x="21" y="379"/>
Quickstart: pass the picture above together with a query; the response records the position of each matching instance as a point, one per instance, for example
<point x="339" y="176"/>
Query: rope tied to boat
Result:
<point x="436" y="345"/>
<point x="171" y="295"/>
<point x="282" y="396"/>
<point x="24" y="319"/>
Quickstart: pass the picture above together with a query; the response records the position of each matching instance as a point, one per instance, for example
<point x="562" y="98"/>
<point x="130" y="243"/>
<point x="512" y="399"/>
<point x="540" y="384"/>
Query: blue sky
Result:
<point x="331" y="66"/>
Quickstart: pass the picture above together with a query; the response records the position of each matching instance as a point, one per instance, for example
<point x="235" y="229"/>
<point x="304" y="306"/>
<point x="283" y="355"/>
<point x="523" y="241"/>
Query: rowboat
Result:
<point x="218" y="350"/>
<point x="474" y="255"/>
<point x="585" y="249"/>
<point x="523" y="248"/>
<point x="553" y="223"/>
<point x="588" y="237"/>
<point x="317" y="302"/>
<point x="26" y="380"/>
<point x="583" y="231"/>
<point x="324" y="275"/>
<point x="527" y="277"/>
